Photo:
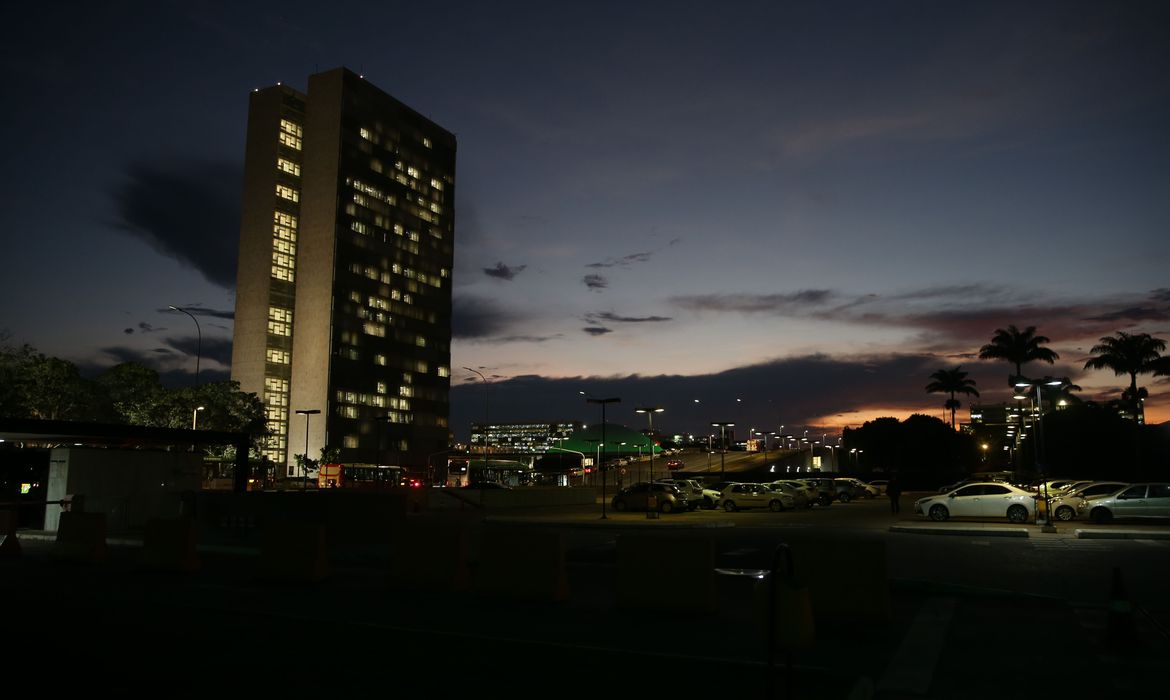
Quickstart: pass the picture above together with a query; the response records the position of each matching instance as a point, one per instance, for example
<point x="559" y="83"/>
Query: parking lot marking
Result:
<point x="911" y="670"/>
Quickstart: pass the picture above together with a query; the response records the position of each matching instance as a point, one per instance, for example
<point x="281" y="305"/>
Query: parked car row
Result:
<point x="1065" y="499"/>
<point x="679" y="494"/>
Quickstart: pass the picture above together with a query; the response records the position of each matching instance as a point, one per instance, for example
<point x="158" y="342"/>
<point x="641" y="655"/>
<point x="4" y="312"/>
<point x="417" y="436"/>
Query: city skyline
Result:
<point x="808" y="208"/>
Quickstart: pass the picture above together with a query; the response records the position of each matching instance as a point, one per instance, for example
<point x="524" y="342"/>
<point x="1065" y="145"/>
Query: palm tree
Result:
<point x="1017" y="347"/>
<point x="1139" y="353"/>
<point x="951" y="381"/>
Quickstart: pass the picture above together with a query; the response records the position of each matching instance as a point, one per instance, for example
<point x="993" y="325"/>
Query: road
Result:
<point x="1020" y="603"/>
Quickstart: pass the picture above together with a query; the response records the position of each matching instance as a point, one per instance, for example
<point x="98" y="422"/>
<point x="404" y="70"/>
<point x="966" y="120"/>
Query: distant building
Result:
<point x="343" y="297"/>
<point x="521" y="438"/>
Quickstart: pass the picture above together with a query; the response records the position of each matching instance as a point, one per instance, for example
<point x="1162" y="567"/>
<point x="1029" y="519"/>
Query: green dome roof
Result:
<point x="586" y="440"/>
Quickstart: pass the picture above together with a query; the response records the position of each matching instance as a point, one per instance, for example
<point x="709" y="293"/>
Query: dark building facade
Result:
<point x="343" y="301"/>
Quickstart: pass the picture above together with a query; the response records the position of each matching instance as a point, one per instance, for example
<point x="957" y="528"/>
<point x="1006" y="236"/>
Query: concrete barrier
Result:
<point x="522" y="563"/>
<point x="666" y="573"/>
<point x="9" y="544"/>
<point x="169" y="544"/>
<point x="81" y="537"/>
<point x="430" y="556"/>
<point x="293" y="552"/>
<point x="848" y="581"/>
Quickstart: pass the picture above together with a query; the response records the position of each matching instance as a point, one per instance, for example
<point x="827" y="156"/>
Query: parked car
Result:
<point x="737" y="496"/>
<point x="849" y="489"/>
<point x="636" y="497"/>
<point x="810" y="490"/>
<point x="826" y="490"/>
<point x="1065" y="506"/>
<point x="672" y="464"/>
<point x="989" y="499"/>
<point x="693" y="490"/>
<point x="1149" y="501"/>
<point x="799" y="495"/>
<point x="880" y="485"/>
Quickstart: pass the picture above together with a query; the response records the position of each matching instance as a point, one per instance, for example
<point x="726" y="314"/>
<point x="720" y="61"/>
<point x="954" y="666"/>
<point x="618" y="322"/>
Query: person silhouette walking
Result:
<point x="894" y="491"/>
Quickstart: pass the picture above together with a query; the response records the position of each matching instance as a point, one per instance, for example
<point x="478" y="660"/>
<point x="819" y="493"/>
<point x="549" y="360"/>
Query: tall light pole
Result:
<point x="195" y="416"/>
<point x="651" y="500"/>
<point x="306" y="412"/>
<point x="601" y="459"/>
<point x="198" y="340"/>
<point x="485" y="423"/>
<point x="722" y="447"/>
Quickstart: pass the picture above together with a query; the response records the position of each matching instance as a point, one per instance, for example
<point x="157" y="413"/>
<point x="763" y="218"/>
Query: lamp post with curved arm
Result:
<point x="722" y="447"/>
<point x="198" y="339"/>
<point x="651" y="501"/>
<point x="601" y="453"/>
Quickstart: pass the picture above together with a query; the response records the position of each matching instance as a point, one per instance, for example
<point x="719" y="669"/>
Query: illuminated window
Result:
<point x="289" y="221"/>
<point x="291" y="128"/>
<point x="290" y="141"/>
<point x="350" y="441"/>
<point x="286" y="192"/>
<point x="359" y="227"/>
<point x="279" y="357"/>
<point x="427" y="142"/>
<point x="412" y="171"/>
<point x="281" y="259"/>
<point x="347" y="412"/>
<point x="279" y="322"/>
<point x="375" y="329"/>
<point x="436" y="184"/>
<point x="285" y="247"/>
<point x="288" y="166"/>
<point x="420" y="341"/>
<point x="381" y="387"/>
<point x="380" y="359"/>
<point x="420" y="366"/>
<point x="406" y="391"/>
<point x="283" y="273"/>
<point x="443" y="371"/>
<point x="365" y="134"/>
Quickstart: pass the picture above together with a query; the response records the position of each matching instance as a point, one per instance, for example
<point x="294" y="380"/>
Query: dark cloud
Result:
<point x="187" y="210"/>
<point x="147" y="328"/>
<point x="173" y="368"/>
<point x="779" y="304"/>
<point x="796" y="392"/>
<point x="504" y="272"/>
<point x="596" y="330"/>
<point x="597" y="318"/>
<point x="476" y="317"/>
<point x="128" y="331"/>
<point x="946" y="316"/>
<point x="215" y="349"/>
<point x="624" y="261"/>
<point x="197" y="310"/>
<point x="595" y="282"/>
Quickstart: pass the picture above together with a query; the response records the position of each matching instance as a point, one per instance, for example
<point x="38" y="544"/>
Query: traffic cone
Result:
<point x="1120" y="626"/>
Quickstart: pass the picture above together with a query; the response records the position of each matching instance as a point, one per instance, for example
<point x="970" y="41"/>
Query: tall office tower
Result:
<point x="343" y="294"/>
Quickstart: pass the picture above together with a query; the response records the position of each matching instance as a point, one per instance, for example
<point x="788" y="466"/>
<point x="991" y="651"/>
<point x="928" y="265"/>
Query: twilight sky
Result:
<point x="792" y="212"/>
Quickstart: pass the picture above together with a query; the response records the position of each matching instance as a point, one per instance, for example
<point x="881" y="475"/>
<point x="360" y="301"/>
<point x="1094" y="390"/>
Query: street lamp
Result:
<point x="198" y="340"/>
<point x="1021" y="383"/>
<point x="722" y="447"/>
<point x="651" y="500"/>
<point x="306" y="412"/>
<point x="601" y="457"/>
<point x="485" y="422"/>
<point x="195" y="416"/>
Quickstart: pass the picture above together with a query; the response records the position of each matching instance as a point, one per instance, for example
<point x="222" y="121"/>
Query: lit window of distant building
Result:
<point x="286" y="192"/>
<point x="288" y="166"/>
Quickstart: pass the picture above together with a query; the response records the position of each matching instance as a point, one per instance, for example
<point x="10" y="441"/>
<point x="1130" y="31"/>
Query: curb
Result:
<point x="1083" y="534"/>
<point x="610" y="524"/>
<point x="984" y="532"/>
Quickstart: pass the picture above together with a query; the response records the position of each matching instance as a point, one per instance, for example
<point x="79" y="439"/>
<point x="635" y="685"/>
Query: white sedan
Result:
<point x="990" y="499"/>
<point x="737" y="496"/>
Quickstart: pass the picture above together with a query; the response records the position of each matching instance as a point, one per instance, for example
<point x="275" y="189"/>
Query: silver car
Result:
<point x="1065" y="506"/>
<point x="1149" y="501"/>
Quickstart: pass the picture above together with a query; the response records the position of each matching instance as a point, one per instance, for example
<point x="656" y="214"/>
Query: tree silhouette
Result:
<point x="1132" y="354"/>
<point x="1018" y="347"/>
<point x="952" y="381"/>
